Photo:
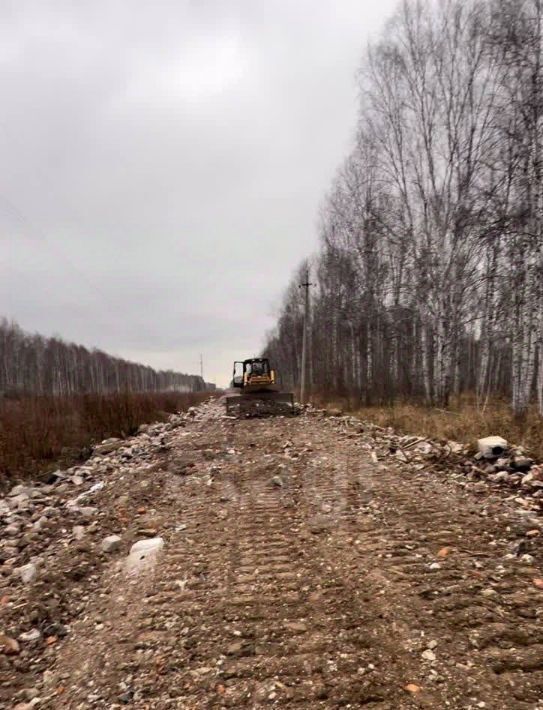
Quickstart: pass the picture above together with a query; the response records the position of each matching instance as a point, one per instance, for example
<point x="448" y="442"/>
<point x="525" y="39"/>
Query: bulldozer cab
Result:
<point x="244" y="369"/>
<point x="257" y="367"/>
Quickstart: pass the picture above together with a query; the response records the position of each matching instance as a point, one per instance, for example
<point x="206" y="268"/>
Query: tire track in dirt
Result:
<point x="297" y="573"/>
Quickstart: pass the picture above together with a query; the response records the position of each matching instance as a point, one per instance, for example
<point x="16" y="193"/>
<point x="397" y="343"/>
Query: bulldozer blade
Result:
<point x="260" y="404"/>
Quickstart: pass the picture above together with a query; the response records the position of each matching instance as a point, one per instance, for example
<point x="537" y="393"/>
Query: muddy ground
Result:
<point x="300" y="568"/>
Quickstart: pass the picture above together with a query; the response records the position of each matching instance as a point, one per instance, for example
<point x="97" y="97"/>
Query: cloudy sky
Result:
<point x="162" y="165"/>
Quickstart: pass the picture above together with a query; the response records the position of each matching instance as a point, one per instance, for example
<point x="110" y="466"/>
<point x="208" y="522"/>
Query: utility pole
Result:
<point x="305" y="285"/>
<point x="201" y="366"/>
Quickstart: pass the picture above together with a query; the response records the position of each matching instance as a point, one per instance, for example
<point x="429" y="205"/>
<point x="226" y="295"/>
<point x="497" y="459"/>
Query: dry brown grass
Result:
<point x="463" y="422"/>
<point x="38" y="434"/>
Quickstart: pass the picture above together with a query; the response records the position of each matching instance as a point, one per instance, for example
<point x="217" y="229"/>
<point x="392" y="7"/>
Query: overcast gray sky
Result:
<point x="162" y="164"/>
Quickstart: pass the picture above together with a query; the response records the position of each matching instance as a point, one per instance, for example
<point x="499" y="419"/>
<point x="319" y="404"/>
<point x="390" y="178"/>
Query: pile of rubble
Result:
<point x="31" y="512"/>
<point x="59" y="531"/>
<point x="492" y="463"/>
<point x="498" y="463"/>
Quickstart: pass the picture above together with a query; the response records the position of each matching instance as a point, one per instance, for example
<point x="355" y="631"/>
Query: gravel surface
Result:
<point x="288" y="562"/>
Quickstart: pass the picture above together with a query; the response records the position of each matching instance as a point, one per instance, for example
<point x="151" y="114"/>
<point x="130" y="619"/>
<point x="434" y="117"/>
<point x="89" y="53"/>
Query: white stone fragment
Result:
<point x="28" y="573"/>
<point x="143" y="553"/>
<point x="492" y="447"/>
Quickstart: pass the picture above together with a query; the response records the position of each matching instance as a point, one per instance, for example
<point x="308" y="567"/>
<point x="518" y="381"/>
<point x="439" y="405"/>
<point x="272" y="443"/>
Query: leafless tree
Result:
<point x="430" y="274"/>
<point x="32" y="364"/>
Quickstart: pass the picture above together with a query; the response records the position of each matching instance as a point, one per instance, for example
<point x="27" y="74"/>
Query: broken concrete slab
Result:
<point x="492" y="447"/>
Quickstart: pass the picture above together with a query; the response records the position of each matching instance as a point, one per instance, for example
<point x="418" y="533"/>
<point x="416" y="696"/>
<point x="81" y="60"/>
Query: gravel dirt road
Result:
<point x="299" y="569"/>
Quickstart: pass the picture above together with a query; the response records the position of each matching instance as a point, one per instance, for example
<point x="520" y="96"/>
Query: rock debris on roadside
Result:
<point x="311" y="561"/>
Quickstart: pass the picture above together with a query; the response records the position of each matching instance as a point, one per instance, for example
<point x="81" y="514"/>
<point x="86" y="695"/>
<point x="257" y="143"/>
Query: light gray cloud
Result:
<point x="163" y="163"/>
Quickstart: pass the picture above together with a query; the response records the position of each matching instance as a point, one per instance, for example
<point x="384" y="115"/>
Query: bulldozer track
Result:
<point x="307" y="576"/>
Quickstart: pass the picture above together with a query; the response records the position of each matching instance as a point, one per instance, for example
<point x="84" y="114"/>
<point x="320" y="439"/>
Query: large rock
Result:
<point x="492" y="447"/>
<point x="143" y="553"/>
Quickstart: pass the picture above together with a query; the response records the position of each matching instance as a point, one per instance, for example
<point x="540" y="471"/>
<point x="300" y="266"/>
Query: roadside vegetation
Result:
<point x="57" y="399"/>
<point x="41" y="433"/>
<point x="463" y="421"/>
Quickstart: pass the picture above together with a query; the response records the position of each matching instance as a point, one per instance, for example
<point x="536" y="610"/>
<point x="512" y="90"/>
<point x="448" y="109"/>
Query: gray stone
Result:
<point x="143" y="553"/>
<point x="429" y="655"/>
<point x="111" y="543"/>
<point x="18" y="490"/>
<point x="27" y="573"/>
<point x="39" y="524"/>
<point x="30" y="636"/>
<point x="78" y="531"/>
<point x="22" y="500"/>
<point x="87" y="511"/>
<point x="108" y="447"/>
<point x="12" y="530"/>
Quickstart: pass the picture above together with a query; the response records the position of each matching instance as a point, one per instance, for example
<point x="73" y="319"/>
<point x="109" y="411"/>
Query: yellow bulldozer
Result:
<point x="257" y="388"/>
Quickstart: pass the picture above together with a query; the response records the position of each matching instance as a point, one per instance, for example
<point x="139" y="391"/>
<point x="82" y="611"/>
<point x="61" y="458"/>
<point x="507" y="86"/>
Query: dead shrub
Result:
<point x="464" y="421"/>
<point x="38" y="433"/>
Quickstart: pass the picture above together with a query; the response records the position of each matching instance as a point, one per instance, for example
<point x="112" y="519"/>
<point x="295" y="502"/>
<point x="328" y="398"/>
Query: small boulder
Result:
<point x="78" y="531"/>
<point x="20" y="501"/>
<point x="429" y="655"/>
<point x="522" y="463"/>
<point x="111" y="543"/>
<point x="13" y="529"/>
<point x="39" y="523"/>
<point x="87" y="511"/>
<point x="107" y="447"/>
<point x="19" y="490"/>
<point x="27" y="573"/>
<point x="30" y="636"/>
<point x="492" y="447"/>
<point x="143" y="553"/>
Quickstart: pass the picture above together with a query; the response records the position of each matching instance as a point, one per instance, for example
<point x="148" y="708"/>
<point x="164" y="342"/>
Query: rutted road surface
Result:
<point x="297" y="571"/>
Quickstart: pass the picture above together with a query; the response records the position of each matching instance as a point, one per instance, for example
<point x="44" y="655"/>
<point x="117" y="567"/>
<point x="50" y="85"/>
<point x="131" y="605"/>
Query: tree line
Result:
<point x="429" y="275"/>
<point x="33" y="364"/>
